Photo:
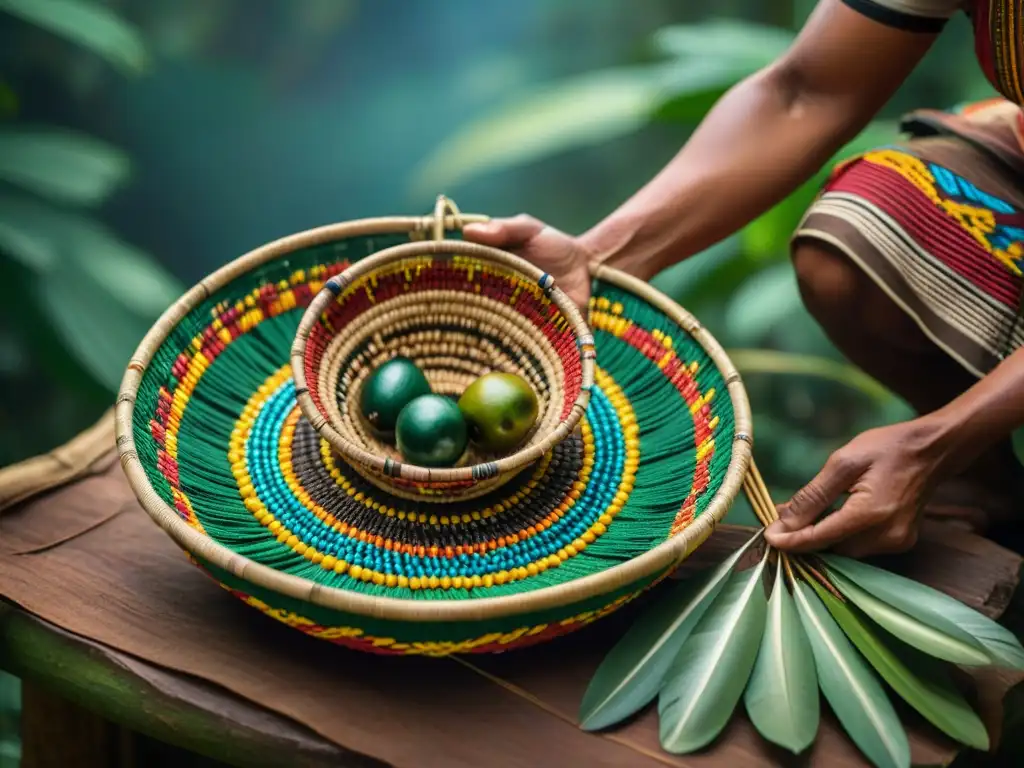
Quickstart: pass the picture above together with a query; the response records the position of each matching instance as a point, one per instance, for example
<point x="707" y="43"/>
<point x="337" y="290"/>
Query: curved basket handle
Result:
<point x="446" y="217"/>
<point x="442" y="208"/>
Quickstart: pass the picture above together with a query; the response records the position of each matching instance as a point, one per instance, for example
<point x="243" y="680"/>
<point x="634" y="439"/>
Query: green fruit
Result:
<point x="389" y="389"/>
<point x="431" y="432"/>
<point x="501" y="409"/>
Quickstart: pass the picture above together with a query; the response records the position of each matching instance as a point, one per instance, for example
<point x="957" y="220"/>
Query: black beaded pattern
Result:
<point x="562" y="473"/>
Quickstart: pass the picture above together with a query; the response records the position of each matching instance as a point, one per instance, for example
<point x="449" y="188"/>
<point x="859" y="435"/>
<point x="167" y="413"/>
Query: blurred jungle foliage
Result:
<point x="143" y="143"/>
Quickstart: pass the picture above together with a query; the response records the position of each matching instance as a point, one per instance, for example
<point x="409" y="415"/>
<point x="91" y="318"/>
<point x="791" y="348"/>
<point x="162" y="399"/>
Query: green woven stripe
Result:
<point x="707" y="377"/>
<point x="158" y="373"/>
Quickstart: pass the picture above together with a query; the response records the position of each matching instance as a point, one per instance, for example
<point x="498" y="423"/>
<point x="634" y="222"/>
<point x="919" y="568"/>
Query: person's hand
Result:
<point x="557" y="253"/>
<point x="888" y="473"/>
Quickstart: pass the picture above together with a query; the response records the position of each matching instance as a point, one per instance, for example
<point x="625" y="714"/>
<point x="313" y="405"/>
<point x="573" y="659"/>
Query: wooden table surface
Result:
<point x="113" y="619"/>
<point x="177" y="709"/>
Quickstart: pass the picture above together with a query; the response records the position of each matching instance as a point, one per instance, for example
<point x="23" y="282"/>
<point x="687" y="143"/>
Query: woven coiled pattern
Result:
<point x="220" y="455"/>
<point x="459" y="310"/>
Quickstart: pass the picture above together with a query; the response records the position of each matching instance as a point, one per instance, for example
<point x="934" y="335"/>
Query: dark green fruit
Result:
<point x="431" y="432"/>
<point x="389" y="389"/>
<point x="501" y="409"/>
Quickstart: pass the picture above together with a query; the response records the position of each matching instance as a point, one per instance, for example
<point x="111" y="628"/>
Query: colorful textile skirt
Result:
<point x="938" y="223"/>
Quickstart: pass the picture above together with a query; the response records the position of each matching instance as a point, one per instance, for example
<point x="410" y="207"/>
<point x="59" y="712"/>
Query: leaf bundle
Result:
<point x="853" y="631"/>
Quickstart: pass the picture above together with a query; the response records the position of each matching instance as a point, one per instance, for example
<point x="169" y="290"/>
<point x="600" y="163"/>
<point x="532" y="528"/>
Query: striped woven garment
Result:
<point x="938" y="220"/>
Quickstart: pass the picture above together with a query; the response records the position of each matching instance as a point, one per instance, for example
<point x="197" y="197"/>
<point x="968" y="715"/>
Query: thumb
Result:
<point x="811" y="501"/>
<point x="840" y="525"/>
<point x="504" y="233"/>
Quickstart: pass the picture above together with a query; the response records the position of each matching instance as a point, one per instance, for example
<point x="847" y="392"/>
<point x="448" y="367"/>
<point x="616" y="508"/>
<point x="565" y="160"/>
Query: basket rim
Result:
<point x="665" y="555"/>
<point x="354" y="452"/>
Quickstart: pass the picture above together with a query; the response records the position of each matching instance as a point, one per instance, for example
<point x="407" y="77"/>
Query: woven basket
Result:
<point x="220" y="455"/>
<point x="460" y="310"/>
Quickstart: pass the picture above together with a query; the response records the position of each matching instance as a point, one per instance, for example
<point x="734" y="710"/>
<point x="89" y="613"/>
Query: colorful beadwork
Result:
<point x="457" y="316"/>
<point x="585" y="481"/>
<point x="492" y="642"/>
<point x="226" y="446"/>
<point x="994" y="224"/>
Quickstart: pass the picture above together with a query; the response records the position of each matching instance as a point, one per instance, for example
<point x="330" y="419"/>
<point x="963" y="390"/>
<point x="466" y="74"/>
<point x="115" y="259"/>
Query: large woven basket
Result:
<point x="460" y="310"/>
<point x="221" y="457"/>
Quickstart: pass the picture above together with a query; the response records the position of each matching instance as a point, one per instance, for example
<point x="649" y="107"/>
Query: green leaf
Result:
<point x="851" y="687"/>
<point x="582" y="111"/>
<point x="63" y="166"/>
<point x="97" y="293"/>
<point x="44" y="238"/>
<point x="632" y="673"/>
<point x="933" y="608"/>
<point x="911" y="631"/>
<point x="87" y="24"/>
<point x="98" y="330"/>
<point x="599" y="106"/>
<point x="710" y="58"/>
<point x="129" y="276"/>
<point x="711" y="670"/>
<point x="782" y="694"/>
<point x="10" y="753"/>
<point x="24" y="236"/>
<point x="923" y="682"/>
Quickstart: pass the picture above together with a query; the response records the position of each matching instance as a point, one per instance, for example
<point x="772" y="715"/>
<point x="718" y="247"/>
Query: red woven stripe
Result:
<point x="642" y="340"/>
<point x="931" y="228"/>
<point x="212" y="347"/>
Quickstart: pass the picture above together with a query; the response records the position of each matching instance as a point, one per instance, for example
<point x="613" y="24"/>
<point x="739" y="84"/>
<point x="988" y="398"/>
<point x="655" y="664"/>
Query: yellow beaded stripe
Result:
<point x="192" y="519"/>
<point x="254" y="504"/>
<point x="976" y="221"/>
<point x="430" y="648"/>
<point x="250" y="316"/>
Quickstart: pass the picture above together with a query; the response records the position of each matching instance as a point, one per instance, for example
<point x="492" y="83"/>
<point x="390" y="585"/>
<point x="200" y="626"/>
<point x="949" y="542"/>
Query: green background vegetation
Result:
<point x="144" y="143"/>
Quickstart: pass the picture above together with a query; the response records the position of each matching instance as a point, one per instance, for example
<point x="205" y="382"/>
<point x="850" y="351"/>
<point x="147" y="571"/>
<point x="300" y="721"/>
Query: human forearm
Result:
<point x="988" y="412"/>
<point x="767" y="136"/>
<point x="758" y="144"/>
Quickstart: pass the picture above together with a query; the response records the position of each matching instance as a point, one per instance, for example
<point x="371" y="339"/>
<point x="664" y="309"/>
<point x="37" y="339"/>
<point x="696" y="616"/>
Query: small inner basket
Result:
<point x="457" y="315"/>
